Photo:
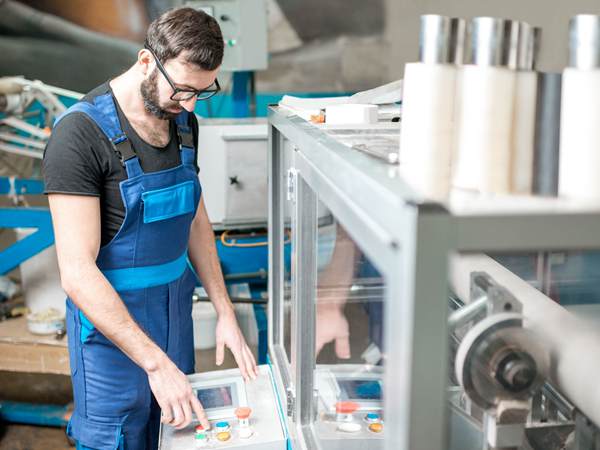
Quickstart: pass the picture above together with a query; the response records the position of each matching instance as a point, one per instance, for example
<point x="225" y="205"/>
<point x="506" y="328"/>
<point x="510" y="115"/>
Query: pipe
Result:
<point x="34" y="414"/>
<point x="573" y="343"/>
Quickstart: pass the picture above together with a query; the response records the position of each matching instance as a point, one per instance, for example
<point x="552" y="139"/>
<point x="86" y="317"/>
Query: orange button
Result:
<point x="243" y="412"/>
<point x="223" y="436"/>
<point x="346" y="407"/>
<point x="376" y="427"/>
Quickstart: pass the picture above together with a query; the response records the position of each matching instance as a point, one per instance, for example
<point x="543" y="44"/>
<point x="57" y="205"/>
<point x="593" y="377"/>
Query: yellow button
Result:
<point x="376" y="427"/>
<point x="223" y="436"/>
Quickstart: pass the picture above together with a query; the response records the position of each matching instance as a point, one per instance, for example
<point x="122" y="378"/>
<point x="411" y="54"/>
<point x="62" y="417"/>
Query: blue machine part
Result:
<point x="246" y="259"/>
<point x="241" y="93"/>
<point x="22" y="250"/>
<point x="33" y="414"/>
<point x="20" y="186"/>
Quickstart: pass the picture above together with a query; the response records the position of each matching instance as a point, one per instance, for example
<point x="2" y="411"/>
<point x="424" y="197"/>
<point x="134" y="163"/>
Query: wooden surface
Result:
<point x="21" y="351"/>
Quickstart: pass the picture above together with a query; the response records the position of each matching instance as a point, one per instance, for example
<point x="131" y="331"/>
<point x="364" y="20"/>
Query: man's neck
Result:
<point x="126" y="89"/>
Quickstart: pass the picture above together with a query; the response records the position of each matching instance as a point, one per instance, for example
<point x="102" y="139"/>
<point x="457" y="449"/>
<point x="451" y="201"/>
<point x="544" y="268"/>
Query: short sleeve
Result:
<point x="73" y="162"/>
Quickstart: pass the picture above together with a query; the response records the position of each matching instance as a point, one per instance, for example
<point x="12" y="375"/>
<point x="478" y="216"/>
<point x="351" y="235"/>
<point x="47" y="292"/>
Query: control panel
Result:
<point x="350" y="406"/>
<point x="244" y="27"/>
<point x="241" y="415"/>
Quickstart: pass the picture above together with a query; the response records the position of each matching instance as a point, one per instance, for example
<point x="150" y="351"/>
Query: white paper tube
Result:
<point x="485" y="129"/>
<point x="427" y="127"/>
<point x="579" y="161"/>
<point x="523" y="132"/>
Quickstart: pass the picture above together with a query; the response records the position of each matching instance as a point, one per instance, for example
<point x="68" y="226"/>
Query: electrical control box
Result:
<point x="242" y="415"/>
<point x="244" y="27"/>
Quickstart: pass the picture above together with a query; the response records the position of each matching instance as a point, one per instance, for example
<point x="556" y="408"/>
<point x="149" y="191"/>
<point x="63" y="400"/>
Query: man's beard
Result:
<point x="149" y="91"/>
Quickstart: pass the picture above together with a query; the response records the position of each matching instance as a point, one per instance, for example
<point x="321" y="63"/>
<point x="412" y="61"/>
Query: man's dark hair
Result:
<point x="187" y="30"/>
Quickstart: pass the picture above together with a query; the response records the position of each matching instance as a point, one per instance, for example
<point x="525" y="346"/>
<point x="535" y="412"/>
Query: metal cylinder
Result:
<point x="527" y="46"/>
<point x="584" y="42"/>
<point x="435" y="39"/>
<point x="547" y="134"/>
<point x="458" y="28"/>
<point x="510" y="53"/>
<point x="487" y="41"/>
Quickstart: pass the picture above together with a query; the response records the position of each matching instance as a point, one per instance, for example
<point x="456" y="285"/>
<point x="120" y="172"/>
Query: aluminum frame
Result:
<point x="409" y="241"/>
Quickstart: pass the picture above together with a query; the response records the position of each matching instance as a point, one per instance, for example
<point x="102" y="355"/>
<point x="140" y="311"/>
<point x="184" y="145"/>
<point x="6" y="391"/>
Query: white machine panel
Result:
<point x="221" y="393"/>
<point x="356" y="384"/>
<point x="244" y="27"/>
<point x="232" y="156"/>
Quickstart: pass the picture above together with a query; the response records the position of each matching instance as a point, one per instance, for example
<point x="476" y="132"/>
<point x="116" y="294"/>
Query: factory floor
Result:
<point x="57" y="389"/>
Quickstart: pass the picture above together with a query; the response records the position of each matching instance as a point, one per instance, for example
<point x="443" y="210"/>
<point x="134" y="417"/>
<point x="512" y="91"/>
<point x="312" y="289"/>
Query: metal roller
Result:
<point x="487" y="43"/>
<point x="435" y="39"/>
<point x="584" y="42"/>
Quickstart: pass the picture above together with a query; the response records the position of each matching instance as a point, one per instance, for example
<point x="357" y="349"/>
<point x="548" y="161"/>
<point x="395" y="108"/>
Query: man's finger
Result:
<point x="220" y="353"/>
<point x="167" y="413"/>
<point x="241" y="363"/>
<point x="187" y="414"/>
<point x="253" y="369"/>
<point x="200" y="414"/>
<point x="178" y="416"/>
<point x="342" y="347"/>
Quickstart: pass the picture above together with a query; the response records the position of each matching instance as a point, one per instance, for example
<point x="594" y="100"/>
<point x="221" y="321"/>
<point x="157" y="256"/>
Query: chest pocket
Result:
<point x="173" y="201"/>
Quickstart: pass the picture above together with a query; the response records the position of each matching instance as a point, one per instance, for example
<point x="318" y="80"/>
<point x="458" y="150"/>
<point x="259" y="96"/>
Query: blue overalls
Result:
<point x="146" y="263"/>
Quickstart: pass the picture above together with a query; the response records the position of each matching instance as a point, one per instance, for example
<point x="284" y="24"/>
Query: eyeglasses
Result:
<point x="182" y="95"/>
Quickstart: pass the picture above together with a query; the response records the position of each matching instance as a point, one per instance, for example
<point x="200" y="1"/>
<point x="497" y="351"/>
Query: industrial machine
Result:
<point x="410" y="336"/>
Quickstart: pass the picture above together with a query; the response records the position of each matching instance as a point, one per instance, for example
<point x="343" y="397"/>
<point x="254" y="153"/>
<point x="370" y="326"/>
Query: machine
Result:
<point x="454" y="351"/>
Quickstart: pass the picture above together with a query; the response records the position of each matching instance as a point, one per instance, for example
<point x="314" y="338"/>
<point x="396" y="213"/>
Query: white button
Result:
<point x="349" y="427"/>
<point x="245" y="432"/>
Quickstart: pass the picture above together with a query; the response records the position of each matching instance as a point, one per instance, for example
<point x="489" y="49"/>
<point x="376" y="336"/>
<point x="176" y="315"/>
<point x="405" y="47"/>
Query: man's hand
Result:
<point x="332" y="325"/>
<point x="175" y="396"/>
<point x="229" y="334"/>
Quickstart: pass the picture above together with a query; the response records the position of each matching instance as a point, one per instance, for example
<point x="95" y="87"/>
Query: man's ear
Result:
<point x="145" y="61"/>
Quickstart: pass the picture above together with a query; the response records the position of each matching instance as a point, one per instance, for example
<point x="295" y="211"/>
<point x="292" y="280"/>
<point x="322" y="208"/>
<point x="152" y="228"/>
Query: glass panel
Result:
<point x="287" y="253"/>
<point x="287" y="294"/>
<point x="568" y="277"/>
<point x="349" y="342"/>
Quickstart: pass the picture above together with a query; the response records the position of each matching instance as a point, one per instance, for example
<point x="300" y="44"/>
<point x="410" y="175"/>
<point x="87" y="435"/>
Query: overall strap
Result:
<point x="186" y="138"/>
<point x="104" y="113"/>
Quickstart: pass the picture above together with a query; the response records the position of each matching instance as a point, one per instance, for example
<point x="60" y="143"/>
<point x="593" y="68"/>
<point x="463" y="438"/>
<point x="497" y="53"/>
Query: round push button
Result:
<point x="376" y="427"/>
<point x="222" y="426"/>
<point x="372" y="418"/>
<point x="349" y="427"/>
<point x="223" y="436"/>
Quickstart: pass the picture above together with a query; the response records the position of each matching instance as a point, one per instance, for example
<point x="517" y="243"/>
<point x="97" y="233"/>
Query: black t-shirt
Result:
<point x="79" y="159"/>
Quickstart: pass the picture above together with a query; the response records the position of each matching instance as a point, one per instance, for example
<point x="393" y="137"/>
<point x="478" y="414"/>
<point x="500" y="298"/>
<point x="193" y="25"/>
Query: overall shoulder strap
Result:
<point x="186" y="137"/>
<point x="104" y="113"/>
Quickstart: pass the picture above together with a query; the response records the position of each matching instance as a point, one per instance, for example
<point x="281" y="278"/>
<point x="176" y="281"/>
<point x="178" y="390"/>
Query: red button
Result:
<point x="346" y="407"/>
<point x="243" y="412"/>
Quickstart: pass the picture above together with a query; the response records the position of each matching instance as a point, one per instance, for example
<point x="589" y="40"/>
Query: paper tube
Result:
<point x="427" y="127"/>
<point x="485" y="129"/>
<point x="524" y="132"/>
<point x="579" y="161"/>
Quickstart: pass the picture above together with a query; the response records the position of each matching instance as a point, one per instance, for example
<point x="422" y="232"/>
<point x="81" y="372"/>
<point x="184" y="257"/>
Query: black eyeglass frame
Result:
<point x="176" y="90"/>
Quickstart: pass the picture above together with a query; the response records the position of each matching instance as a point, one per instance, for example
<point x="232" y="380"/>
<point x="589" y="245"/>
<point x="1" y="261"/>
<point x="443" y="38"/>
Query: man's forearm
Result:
<point x="203" y="255"/>
<point x="94" y="295"/>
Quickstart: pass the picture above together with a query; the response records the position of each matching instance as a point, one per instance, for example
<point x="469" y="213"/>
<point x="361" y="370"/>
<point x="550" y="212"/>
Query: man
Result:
<point x="121" y="178"/>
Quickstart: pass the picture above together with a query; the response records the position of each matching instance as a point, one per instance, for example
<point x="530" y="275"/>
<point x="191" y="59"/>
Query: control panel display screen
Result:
<point x="356" y="389"/>
<point x="216" y="397"/>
